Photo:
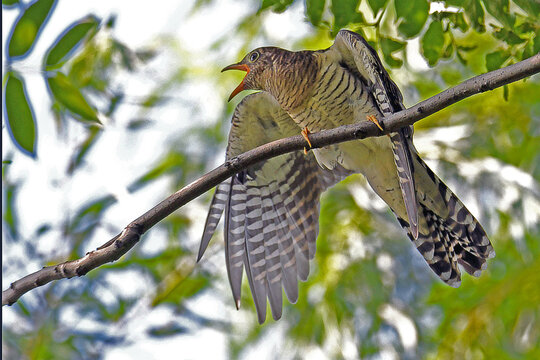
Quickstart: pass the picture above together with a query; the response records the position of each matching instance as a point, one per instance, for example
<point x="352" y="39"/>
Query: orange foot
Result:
<point x="374" y="120"/>
<point x="305" y="132"/>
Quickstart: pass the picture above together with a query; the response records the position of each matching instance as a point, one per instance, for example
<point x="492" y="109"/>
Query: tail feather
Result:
<point x="449" y="238"/>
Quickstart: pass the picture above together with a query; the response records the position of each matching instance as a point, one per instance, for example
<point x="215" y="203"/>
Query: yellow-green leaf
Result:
<point x="71" y="97"/>
<point x="68" y="41"/>
<point x="19" y="115"/>
<point x="27" y="27"/>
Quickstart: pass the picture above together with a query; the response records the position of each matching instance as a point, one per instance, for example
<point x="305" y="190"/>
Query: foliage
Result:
<point x="367" y="282"/>
<point x="85" y="74"/>
<point x="513" y="24"/>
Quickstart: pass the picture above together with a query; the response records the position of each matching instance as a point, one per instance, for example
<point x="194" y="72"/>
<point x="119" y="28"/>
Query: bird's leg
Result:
<point x="305" y="132"/>
<point x="374" y="120"/>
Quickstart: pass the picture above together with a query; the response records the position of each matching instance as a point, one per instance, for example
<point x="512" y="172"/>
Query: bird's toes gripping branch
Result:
<point x="374" y="120"/>
<point x="305" y="133"/>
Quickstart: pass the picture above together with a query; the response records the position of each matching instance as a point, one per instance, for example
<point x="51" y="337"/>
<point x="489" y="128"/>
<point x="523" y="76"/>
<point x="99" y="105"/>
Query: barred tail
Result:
<point x="449" y="234"/>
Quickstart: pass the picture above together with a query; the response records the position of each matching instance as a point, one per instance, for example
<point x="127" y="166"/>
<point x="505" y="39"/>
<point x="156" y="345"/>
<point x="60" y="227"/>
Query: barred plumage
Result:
<point x="272" y="209"/>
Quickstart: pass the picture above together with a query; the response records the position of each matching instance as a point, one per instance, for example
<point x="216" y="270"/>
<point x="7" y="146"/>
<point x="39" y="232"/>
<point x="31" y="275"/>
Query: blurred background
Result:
<point x="110" y="106"/>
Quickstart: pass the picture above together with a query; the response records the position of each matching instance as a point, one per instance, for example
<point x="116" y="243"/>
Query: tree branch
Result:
<point x="123" y="242"/>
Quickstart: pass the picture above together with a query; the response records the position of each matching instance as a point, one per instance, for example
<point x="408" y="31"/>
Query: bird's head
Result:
<point x="256" y="64"/>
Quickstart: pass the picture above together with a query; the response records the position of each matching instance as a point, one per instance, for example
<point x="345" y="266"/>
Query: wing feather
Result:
<point x="255" y="246"/>
<point x="272" y="253"/>
<point x="234" y="234"/>
<point x="285" y="244"/>
<point x="219" y="201"/>
<point x="271" y="209"/>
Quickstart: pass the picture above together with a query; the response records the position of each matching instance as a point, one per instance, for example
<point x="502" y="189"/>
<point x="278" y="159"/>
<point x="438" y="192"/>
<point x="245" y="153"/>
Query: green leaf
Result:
<point x="90" y="214"/>
<point x="138" y="123"/>
<point x="495" y="59"/>
<point x="8" y="3"/>
<point x="179" y="287"/>
<point x="388" y="47"/>
<point x="476" y="12"/>
<point x="460" y="22"/>
<point x="532" y="47"/>
<point x="412" y="16"/>
<point x="26" y="29"/>
<point x="171" y="163"/>
<point x="500" y="9"/>
<point x="68" y="41"/>
<point x="276" y="5"/>
<point x="345" y="13"/>
<point x="110" y="23"/>
<point x="532" y="7"/>
<point x="467" y="48"/>
<point x="82" y="149"/>
<point x="432" y="43"/>
<point x="10" y="214"/>
<point x="528" y="50"/>
<point x="126" y="55"/>
<point x="20" y="120"/>
<point x="314" y="11"/>
<point x="267" y="3"/>
<point x="508" y="36"/>
<point x="448" y="50"/>
<point x="376" y="5"/>
<point x="456" y="3"/>
<point x="71" y="97"/>
<point x="167" y="330"/>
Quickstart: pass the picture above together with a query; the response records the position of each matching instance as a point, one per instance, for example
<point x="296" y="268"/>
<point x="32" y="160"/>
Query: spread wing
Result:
<point x="360" y="56"/>
<point x="271" y="209"/>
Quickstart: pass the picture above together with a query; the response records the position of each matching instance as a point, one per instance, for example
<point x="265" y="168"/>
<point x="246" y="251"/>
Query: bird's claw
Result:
<point x="374" y="120"/>
<point x="305" y="133"/>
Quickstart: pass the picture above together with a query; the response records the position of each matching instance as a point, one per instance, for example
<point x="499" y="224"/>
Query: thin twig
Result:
<point x="113" y="249"/>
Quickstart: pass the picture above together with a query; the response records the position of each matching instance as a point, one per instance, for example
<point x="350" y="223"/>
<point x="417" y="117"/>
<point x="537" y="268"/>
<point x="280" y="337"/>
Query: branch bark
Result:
<point x="113" y="249"/>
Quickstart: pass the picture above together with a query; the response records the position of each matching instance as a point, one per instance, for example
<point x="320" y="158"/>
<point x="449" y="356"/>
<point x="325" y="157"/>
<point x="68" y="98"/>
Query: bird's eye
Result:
<point x="254" y="56"/>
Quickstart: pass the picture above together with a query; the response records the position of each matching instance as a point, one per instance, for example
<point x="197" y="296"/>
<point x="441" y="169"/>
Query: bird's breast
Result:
<point x="340" y="97"/>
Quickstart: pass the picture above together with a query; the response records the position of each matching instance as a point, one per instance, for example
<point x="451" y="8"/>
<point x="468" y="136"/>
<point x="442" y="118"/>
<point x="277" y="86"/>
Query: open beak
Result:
<point x="240" y="87"/>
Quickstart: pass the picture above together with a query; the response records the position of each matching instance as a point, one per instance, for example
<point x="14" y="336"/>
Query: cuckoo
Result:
<point x="271" y="209"/>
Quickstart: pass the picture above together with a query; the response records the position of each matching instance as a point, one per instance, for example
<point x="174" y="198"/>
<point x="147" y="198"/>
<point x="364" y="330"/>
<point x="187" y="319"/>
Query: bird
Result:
<point x="271" y="209"/>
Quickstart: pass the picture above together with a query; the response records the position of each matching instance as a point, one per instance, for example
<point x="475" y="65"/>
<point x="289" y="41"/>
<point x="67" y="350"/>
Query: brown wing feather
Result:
<point x="271" y="209"/>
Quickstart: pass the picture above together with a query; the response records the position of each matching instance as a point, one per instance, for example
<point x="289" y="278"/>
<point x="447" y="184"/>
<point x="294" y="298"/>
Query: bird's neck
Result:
<point x="291" y="79"/>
